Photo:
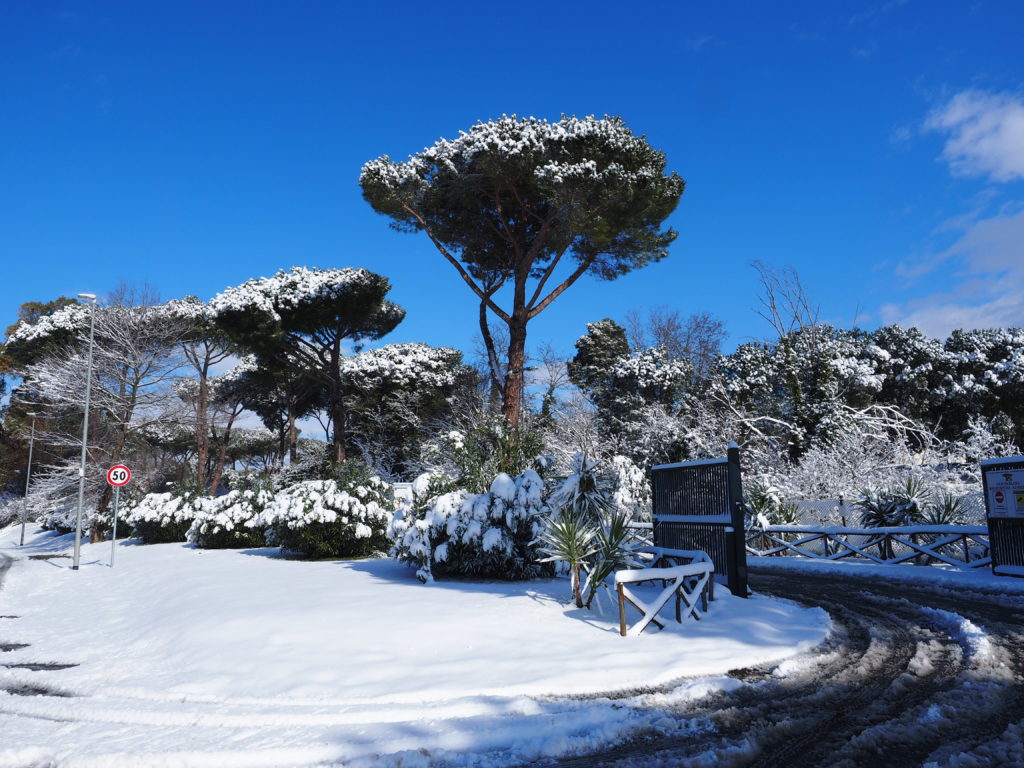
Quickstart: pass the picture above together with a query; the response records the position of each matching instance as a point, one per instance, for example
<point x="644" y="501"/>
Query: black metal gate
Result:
<point x="1003" y="483"/>
<point x="699" y="505"/>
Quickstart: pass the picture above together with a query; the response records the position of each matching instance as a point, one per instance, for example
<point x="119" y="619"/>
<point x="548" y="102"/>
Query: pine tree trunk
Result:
<point x="337" y="409"/>
<point x="512" y="405"/>
<point x="202" y="433"/>
<point x="293" y="437"/>
<point x="338" y="432"/>
<point x="222" y="451"/>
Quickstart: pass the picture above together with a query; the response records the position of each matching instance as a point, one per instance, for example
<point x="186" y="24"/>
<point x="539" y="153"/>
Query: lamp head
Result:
<point x="90" y="296"/>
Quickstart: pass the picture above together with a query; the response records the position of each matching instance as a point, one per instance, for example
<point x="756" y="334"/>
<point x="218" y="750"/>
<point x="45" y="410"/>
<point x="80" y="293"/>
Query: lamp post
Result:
<point x="28" y="477"/>
<point x="85" y="431"/>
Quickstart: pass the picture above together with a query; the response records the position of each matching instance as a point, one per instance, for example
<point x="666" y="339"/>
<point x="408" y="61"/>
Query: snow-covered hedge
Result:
<point x="319" y="518"/>
<point x="484" y="535"/>
<point x="160" y="518"/>
<point x="231" y="520"/>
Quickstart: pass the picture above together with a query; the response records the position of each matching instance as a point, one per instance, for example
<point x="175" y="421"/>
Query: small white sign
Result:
<point x="1005" y="493"/>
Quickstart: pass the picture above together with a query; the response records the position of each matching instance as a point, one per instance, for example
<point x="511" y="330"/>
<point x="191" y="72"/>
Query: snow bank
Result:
<point x="214" y="657"/>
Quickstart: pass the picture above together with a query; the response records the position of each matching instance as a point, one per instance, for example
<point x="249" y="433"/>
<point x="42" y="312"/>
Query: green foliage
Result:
<point x="904" y="505"/>
<point x="588" y="532"/>
<point x="613" y="552"/>
<point x="946" y="510"/>
<point x="485" y="448"/>
<point x="571" y="538"/>
<point x="765" y="507"/>
<point x="234" y="519"/>
<point x="586" y="492"/>
<point x="511" y="198"/>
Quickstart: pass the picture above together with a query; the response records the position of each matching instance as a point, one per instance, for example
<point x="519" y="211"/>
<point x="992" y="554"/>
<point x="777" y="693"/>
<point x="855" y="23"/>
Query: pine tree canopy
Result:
<point x="523" y="188"/>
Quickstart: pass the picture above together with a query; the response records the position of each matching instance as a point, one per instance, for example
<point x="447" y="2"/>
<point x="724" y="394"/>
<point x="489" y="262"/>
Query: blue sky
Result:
<point x="878" y="148"/>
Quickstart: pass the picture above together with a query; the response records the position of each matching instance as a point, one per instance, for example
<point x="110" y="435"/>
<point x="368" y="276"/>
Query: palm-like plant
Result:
<point x="904" y="505"/>
<point x="946" y="510"/>
<point x="612" y="551"/>
<point x="569" y="537"/>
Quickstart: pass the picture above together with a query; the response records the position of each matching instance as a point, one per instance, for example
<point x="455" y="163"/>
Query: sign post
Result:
<point x="117" y="476"/>
<point x="1003" y="484"/>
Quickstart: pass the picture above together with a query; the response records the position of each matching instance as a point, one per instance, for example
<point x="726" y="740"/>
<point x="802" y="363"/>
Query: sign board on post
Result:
<point x="1003" y="484"/>
<point x="117" y="476"/>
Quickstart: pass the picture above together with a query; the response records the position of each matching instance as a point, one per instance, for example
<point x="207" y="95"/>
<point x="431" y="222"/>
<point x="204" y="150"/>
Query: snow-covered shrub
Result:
<point x="632" y="488"/>
<point x="481" y="449"/>
<point x="903" y="505"/>
<point x="232" y="520"/>
<point x="160" y="518"/>
<point x="765" y="507"/>
<point x="484" y="535"/>
<point x="10" y="509"/>
<point x="322" y="518"/>
<point x="62" y="518"/>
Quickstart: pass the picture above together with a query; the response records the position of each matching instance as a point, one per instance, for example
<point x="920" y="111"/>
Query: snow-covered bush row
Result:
<point x="484" y="535"/>
<point x="160" y="518"/>
<point x="231" y="520"/>
<point x="319" y="518"/>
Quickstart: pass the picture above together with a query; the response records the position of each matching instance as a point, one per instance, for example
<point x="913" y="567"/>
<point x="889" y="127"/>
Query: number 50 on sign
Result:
<point x="119" y="475"/>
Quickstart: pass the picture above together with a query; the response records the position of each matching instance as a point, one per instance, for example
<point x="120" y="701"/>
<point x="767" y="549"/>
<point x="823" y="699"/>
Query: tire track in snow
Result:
<point x="913" y="674"/>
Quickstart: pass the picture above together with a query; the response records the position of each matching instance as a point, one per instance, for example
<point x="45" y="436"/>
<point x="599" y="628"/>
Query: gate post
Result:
<point x="738" y="539"/>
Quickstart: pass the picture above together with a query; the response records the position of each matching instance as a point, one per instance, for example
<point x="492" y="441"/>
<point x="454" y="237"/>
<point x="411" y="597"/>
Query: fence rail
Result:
<point x="957" y="545"/>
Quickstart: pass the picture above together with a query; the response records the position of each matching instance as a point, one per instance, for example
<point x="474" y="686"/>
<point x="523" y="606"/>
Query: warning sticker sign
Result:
<point x="1005" y="493"/>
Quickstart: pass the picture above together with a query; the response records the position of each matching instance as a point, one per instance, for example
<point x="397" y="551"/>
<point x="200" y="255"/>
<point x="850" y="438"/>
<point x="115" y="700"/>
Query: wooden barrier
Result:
<point x="958" y="545"/>
<point x="687" y="583"/>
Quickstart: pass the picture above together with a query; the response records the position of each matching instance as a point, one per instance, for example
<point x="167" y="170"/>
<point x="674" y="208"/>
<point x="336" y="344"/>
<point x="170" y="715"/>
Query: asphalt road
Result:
<point x="912" y="675"/>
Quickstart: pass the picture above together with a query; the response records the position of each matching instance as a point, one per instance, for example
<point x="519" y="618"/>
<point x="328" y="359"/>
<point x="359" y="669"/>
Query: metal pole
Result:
<point x="28" y="478"/>
<point x="85" y="437"/>
<point x="113" y="538"/>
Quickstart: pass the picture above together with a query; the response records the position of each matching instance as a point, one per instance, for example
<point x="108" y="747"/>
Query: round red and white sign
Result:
<point x="119" y="475"/>
<point x="999" y="497"/>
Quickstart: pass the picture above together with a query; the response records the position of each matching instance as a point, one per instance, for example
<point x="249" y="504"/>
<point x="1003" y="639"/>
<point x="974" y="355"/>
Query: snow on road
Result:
<point x="193" y="657"/>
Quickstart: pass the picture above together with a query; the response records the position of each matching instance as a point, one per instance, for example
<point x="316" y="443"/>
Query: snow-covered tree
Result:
<point x="629" y="390"/>
<point x="203" y="345"/>
<point x="507" y="201"/>
<point x="305" y="317"/>
<point x="135" y="363"/>
<point x="395" y="393"/>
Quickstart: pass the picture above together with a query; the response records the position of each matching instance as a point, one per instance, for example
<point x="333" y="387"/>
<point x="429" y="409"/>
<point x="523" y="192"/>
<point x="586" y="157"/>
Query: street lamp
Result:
<point x="85" y="431"/>
<point x="28" y="477"/>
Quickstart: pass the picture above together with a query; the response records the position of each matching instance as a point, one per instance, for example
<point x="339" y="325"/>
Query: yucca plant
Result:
<point x="569" y="537"/>
<point x="946" y="510"/>
<point x="787" y="513"/>
<point x="612" y="551"/>
<point x="587" y="492"/>
<point x="904" y="505"/>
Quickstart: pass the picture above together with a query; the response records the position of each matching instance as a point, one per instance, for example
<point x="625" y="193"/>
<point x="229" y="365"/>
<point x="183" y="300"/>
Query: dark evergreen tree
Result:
<point x="506" y="202"/>
<point x="303" y="318"/>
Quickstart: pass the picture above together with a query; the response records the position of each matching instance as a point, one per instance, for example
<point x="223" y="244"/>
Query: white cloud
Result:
<point x="985" y="134"/>
<point x="986" y="281"/>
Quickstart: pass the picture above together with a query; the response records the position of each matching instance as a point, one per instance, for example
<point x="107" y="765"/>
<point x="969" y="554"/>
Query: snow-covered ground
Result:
<point x="190" y="657"/>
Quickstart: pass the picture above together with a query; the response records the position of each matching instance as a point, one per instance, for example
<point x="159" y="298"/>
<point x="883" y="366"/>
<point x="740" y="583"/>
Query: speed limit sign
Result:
<point x="119" y="475"/>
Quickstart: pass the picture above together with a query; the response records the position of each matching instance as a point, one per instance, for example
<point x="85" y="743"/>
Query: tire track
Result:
<point x="904" y="680"/>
